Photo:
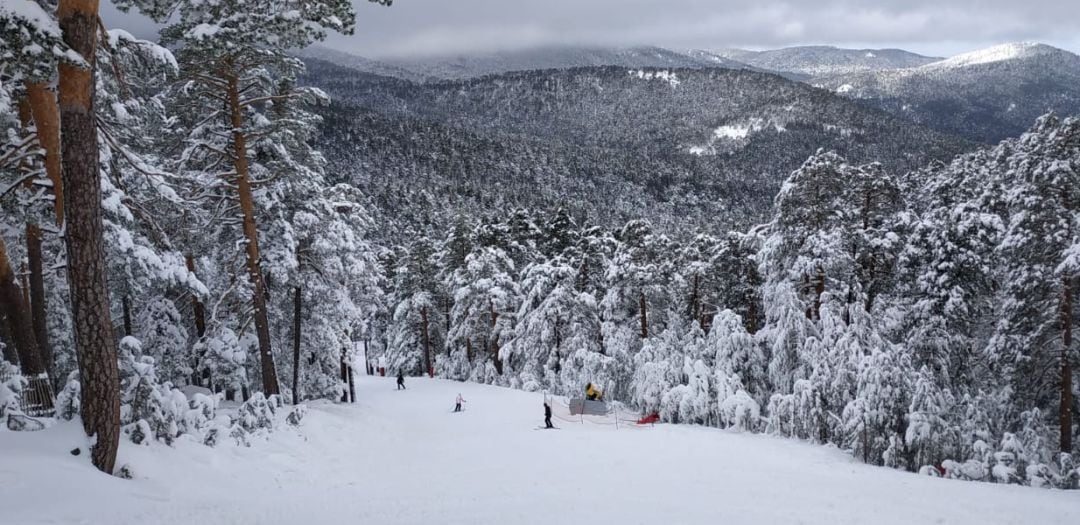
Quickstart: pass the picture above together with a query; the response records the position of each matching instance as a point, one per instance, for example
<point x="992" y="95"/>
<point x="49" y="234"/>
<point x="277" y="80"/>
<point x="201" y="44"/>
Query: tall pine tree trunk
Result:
<point x="13" y="304"/>
<point x="297" y="305"/>
<point x="251" y="233"/>
<point x="34" y="285"/>
<point x="427" y="341"/>
<point x="95" y="342"/>
<point x="1065" y="409"/>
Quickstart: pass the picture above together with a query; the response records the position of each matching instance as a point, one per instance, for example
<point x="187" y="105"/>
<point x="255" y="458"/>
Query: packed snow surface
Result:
<point x="403" y="457"/>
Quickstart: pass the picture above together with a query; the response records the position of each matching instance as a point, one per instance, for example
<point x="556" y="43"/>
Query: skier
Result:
<point x="547" y="416"/>
<point x="592" y="393"/>
<point x="457" y="404"/>
<point x="400" y="380"/>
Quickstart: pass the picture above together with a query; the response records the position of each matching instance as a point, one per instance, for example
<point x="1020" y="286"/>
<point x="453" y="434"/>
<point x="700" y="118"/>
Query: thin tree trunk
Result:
<point x="558" y="346"/>
<point x="126" y="302"/>
<point x="199" y="312"/>
<point x="251" y="233"/>
<point x="197" y="307"/>
<point x="297" y="305"/>
<point x="694" y="308"/>
<point x="644" y="316"/>
<point x="427" y="342"/>
<point x="352" y="387"/>
<point x="344" y="378"/>
<point x="495" y="340"/>
<point x="1065" y="409"/>
<point x="446" y="314"/>
<point x="95" y="342"/>
<point x="38" y="308"/>
<point x="751" y="320"/>
<point x="819" y="290"/>
<point x="8" y="341"/>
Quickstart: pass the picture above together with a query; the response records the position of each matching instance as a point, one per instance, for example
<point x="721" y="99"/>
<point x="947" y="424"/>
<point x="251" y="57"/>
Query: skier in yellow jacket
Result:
<point x="592" y="393"/>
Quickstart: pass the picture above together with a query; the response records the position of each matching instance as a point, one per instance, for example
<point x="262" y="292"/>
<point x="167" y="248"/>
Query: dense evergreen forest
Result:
<point x="187" y="223"/>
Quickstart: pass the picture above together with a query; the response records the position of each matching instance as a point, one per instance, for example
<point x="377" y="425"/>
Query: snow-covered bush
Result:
<point x="798" y="414"/>
<point x="10" y="389"/>
<point x="69" y="399"/>
<point x="740" y="412"/>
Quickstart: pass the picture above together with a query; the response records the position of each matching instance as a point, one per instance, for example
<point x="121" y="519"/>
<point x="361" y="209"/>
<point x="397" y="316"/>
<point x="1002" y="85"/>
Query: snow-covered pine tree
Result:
<point x="482" y="317"/>
<point x="1041" y="251"/>
<point x="234" y="61"/>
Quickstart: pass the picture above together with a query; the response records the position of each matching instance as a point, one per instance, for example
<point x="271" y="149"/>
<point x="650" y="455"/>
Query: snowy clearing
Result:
<point x="403" y="457"/>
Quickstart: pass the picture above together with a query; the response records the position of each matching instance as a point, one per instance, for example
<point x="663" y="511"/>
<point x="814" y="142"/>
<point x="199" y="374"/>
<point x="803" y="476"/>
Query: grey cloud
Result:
<point x="434" y="27"/>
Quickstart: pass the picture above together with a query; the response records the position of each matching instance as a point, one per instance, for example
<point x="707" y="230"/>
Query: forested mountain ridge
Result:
<point x="459" y="67"/>
<point x="986" y="95"/>
<point x="677" y="146"/>
<point x="816" y="61"/>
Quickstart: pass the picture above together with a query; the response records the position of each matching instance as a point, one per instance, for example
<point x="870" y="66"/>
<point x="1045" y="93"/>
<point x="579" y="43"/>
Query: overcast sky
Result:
<point x="932" y="27"/>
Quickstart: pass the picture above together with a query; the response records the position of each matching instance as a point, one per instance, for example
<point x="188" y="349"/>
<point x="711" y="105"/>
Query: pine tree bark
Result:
<point x="1065" y="409"/>
<point x="251" y="233"/>
<point x="427" y="341"/>
<point x="297" y="310"/>
<point x="95" y="342"/>
<point x="46" y="114"/>
<point x="14" y="307"/>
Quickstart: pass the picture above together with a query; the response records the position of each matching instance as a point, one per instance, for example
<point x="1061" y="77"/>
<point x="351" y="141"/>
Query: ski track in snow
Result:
<point x="403" y="458"/>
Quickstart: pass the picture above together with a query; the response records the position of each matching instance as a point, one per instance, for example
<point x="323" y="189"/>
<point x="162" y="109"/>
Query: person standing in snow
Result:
<point x="400" y="380"/>
<point x="457" y="404"/>
<point x="547" y="416"/>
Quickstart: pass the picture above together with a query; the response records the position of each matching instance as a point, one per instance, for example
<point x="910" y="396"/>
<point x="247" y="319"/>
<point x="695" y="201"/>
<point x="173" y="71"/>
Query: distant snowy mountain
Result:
<point x="361" y="64"/>
<point x="984" y="95"/>
<point x="1001" y="53"/>
<point x="472" y="66"/>
<point x="458" y="67"/>
<point x="816" y="61"/>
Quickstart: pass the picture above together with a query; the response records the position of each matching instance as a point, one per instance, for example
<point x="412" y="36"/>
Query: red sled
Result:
<point x="649" y="419"/>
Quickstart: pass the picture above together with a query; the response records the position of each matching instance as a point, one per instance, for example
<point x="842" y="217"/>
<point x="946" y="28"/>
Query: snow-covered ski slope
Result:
<point x="404" y="458"/>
